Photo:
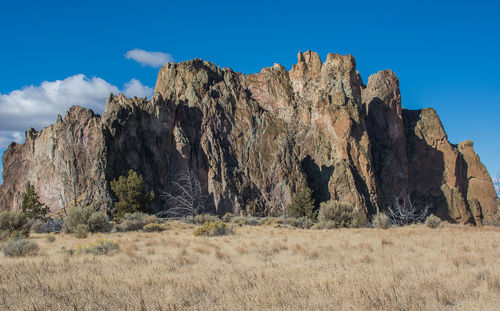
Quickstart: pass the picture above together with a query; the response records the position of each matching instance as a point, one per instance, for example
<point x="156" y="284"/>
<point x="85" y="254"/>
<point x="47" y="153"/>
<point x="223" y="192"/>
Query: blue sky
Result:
<point x="445" y="53"/>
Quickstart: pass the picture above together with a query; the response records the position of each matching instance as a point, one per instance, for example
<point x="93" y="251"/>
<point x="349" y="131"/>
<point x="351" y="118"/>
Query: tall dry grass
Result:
<point x="263" y="268"/>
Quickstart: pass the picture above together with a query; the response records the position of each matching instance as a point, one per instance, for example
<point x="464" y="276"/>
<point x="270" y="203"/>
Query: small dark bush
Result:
<point x="131" y="193"/>
<point x="20" y="248"/>
<point x="302" y="204"/>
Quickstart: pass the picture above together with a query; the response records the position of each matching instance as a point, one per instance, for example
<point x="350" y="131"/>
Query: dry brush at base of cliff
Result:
<point x="256" y="268"/>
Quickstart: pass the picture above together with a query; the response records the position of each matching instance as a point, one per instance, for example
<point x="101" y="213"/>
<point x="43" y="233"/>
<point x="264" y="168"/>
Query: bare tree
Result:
<point x="404" y="211"/>
<point x="187" y="197"/>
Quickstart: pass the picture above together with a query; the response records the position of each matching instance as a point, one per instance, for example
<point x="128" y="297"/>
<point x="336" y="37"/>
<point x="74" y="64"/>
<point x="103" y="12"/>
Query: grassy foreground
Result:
<point x="262" y="268"/>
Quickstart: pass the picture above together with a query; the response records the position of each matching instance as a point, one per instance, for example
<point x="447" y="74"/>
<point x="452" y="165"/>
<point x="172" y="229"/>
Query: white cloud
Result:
<point x="136" y="88"/>
<point x="38" y="106"/>
<point x="153" y="59"/>
<point x="496" y="182"/>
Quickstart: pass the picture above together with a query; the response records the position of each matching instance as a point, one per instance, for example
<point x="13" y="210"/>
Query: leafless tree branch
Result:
<point x="187" y="197"/>
<point x="404" y="211"/>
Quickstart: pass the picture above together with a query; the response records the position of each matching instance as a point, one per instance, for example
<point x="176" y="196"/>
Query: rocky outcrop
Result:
<point x="252" y="140"/>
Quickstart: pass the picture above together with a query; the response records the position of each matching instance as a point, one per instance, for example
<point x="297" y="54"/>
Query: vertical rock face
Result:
<point x="252" y="140"/>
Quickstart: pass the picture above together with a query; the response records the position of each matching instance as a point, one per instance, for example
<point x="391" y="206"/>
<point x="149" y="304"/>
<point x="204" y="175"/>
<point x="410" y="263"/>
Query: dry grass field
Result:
<point x="263" y="268"/>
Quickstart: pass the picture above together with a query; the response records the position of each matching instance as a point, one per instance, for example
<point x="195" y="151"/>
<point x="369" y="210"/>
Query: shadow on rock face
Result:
<point x="317" y="179"/>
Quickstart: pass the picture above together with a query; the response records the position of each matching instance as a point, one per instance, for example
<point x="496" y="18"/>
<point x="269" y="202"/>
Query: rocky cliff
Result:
<point x="254" y="139"/>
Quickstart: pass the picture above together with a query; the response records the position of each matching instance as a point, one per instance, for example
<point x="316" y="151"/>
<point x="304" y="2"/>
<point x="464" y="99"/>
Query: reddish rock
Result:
<point x="254" y="139"/>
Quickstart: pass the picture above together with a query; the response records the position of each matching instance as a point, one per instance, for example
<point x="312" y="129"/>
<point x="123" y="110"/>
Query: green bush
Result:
<point x="227" y="217"/>
<point x="433" y="221"/>
<point x="31" y="206"/>
<point x="20" y="248"/>
<point x="131" y="193"/>
<point x="302" y="204"/>
<point x="213" y="229"/>
<point x="381" y="221"/>
<point x="13" y="224"/>
<point x="200" y="219"/>
<point x="340" y="214"/>
<point x="99" y="222"/>
<point x="81" y="231"/>
<point x="154" y="227"/>
<point x="100" y="247"/>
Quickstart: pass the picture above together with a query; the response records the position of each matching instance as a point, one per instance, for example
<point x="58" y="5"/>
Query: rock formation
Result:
<point x="254" y="139"/>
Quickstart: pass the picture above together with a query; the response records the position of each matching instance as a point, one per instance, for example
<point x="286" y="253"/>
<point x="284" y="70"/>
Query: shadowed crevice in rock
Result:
<point x="317" y="179"/>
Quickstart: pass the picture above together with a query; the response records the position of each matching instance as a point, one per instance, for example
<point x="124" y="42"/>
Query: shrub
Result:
<point x="77" y="216"/>
<point x="227" y="217"/>
<point x="99" y="222"/>
<point x="47" y="226"/>
<point x="100" y="247"/>
<point x="50" y="238"/>
<point x="249" y="221"/>
<point x="151" y="219"/>
<point x="271" y="221"/>
<point x="433" y="221"/>
<point x="213" y="229"/>
<point x="20" y="248"/>
<point x="40" y="226"/>
<point x="153" y="227"/>
<point x="302" y="204"/>
<point x="324" y="225"/>
<point x="340" y="214"/>
<point x="31" y="206"/>
<point x="135" y="221"/>
<point x="381" y="221"/>
<point x="13" y="223"/>
<point x="131" y="193"/>
<point x="200" y="219"/>
<point x="303" y="223"/>
<point x="81" y="231"/>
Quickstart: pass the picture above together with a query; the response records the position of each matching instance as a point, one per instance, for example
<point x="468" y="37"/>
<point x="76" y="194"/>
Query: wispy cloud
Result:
<point x="38" y="106"/>
<point x="146" y="58"/>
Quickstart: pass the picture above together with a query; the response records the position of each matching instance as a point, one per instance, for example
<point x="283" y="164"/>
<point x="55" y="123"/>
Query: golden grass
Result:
<point x="263" y="268"/>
